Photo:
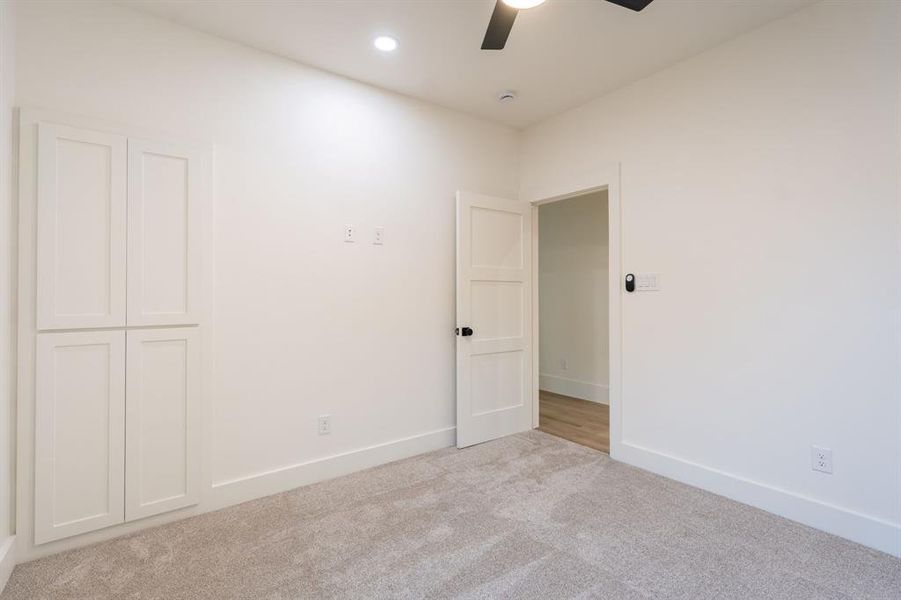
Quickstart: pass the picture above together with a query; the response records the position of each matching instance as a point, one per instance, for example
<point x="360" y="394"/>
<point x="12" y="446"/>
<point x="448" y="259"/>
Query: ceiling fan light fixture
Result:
<point x="505" y="11"/>
<point x="522" y="4"/>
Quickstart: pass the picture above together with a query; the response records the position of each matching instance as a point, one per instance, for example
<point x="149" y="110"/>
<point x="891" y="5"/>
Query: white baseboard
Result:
<point x="863" y="529"/>
<point x="595" y="392"/>
<point x="7" y="559"/>
<point x="258" y="485"/>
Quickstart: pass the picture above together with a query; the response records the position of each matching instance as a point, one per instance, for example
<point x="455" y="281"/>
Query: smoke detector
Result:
<point x="506" y="97"/>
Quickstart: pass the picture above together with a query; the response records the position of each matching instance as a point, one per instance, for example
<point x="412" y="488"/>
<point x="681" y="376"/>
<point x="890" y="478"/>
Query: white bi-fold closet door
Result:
<point x="117" y="373"/>
<point x="117" y="427"/>
<point x="118" y="230"/>
<point x="79" y="433"/>
<point x="162" y="420"/>
<point x="81" y="251"/>
<point x="164" y="182"/>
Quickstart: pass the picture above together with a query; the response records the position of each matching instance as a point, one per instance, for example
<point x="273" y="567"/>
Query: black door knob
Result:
<point x="630" y="282"/>
<point x="466" y="332"/>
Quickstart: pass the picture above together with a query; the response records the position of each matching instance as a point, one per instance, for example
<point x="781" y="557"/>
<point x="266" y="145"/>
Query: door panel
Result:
<point x="497" y="310"/>
<point x="493" y="299"/>
<point x="497" y="381"/>
<point x="497" y="238"/>
<point x="79" y="433"/>
<point x="162" y="421"/>
<point x="164" y="195"/>
<point x="81" y="186"/>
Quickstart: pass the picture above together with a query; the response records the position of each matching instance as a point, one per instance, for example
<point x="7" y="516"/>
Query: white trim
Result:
<point x="7" y="559"/>
<point x="585" y="390"/>
<point x="536" y="340"/>
<point x="260" y="485"/>
<point x="604" y="177"/>
<point x="863" y="529"/>
<point x="257" y="485"/>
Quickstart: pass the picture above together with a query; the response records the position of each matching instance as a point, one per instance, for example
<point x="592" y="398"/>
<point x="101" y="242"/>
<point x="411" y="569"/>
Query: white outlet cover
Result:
<point x="350" y="233"/>
<point x="821" y="459"/>
<point x="325" y="424"/>
<point x="378" y="236"/>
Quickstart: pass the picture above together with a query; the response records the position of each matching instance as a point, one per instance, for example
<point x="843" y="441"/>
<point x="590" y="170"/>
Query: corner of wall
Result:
<point x="7" y="303"/>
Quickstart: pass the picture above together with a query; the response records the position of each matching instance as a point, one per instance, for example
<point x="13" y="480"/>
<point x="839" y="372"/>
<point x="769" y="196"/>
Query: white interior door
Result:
<point x="494" y="327"/>
<point x="79" y="433"/>
<point x="162" y="421"/>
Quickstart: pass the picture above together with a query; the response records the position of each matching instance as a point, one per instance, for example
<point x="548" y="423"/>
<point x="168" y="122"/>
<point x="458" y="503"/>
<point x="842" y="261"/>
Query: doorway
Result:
<point x="497" y="316"/>
<point x="573" y="282"/>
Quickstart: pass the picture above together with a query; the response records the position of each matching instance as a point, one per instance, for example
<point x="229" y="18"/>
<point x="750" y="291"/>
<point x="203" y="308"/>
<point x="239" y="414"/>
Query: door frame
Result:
<point x="605" y="177"/>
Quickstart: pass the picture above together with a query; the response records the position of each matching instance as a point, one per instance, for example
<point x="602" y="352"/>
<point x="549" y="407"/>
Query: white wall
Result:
<point x="761" y="179"/>
<point x="304" y="324"/>
<point x="573" y="298"/>
<point x="7" y="252"/>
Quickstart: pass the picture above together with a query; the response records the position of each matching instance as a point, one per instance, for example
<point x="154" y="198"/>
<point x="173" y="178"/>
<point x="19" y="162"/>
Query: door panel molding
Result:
<point x="81" y="214"/>
<point x="79" y="433"/>
<point x="163" y="419"/>
<point x="165" y="193"/>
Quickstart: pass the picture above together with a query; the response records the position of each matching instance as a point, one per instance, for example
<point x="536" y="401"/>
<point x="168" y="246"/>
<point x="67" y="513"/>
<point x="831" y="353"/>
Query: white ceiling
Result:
<point x="559" y="55"/>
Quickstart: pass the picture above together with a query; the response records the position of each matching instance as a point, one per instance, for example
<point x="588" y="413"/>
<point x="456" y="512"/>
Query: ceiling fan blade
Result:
<point x="499" y="26"/>
<point x="636" y="5"/>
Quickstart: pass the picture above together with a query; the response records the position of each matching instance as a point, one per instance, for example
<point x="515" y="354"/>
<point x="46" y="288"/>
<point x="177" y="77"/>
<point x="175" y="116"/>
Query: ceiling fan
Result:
<point x="505" y="12"/>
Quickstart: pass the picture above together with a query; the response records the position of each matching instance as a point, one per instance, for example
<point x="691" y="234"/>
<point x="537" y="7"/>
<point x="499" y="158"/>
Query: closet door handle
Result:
<point x="466" y="331"/>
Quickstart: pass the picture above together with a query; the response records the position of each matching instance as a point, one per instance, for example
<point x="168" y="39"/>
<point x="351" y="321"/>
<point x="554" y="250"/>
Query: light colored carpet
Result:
<point x="529" y="516"/>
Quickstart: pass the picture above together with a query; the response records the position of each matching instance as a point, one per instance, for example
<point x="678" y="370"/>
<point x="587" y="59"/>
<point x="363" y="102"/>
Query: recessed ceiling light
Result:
<point x="385" y="43"/>
<point x="523" y="4"/>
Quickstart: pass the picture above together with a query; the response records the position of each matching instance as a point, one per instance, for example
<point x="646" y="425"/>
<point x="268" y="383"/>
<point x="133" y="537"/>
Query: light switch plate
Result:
<point x="647" y="282"/>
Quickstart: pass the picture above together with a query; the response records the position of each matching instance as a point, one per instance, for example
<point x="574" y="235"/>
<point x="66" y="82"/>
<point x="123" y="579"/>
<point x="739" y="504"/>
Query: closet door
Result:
<point x="79" y="435"/>
<point x="164" y="195"/>
<point x="81" y="189"/>
<point x="162" y="421"/>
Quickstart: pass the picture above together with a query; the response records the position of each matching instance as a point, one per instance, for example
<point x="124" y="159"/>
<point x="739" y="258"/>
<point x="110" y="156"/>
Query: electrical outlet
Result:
<point x="821" y="459"/>
<point x="350" y="233"/>
<point x="378" y="236"/>
<point x="325" y="424"/>
<point x="564" y="365"/>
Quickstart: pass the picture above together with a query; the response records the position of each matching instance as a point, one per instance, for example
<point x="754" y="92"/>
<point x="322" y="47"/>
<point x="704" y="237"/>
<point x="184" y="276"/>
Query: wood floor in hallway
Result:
<point x="579" y="421"/>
